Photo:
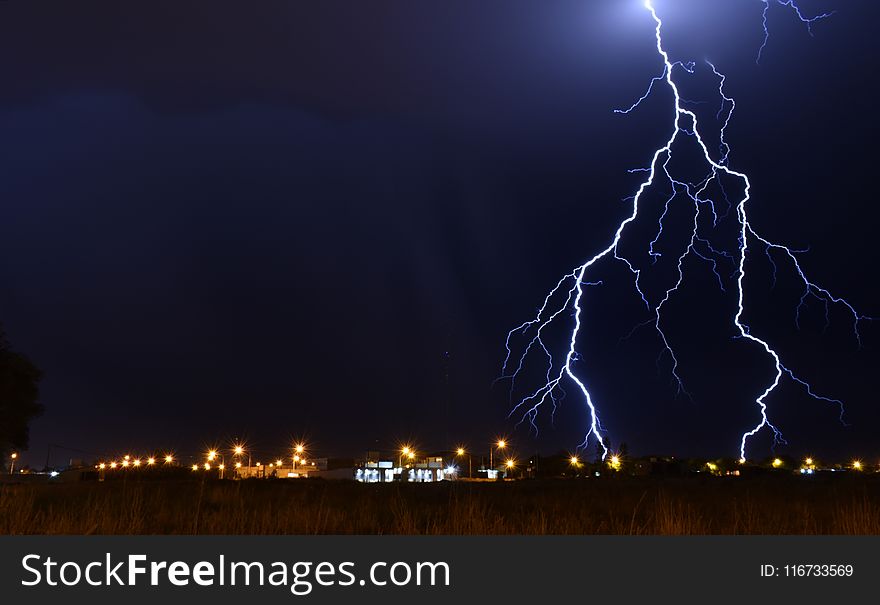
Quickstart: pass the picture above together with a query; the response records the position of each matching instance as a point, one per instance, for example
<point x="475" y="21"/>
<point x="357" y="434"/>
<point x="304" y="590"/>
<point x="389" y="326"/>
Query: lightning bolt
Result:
<point x="566" y="298"/>
<point x="791" y="4"/>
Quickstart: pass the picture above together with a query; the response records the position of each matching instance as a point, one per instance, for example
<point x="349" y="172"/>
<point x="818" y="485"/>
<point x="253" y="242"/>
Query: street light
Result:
<point x="461" y="452"/>
<point x="857" y="465"/>
<point x="510" y="464"/>
<point x="169" y="459"/>
<point x="238" y="450"/>
<point x="151" y="461"/>
<point x="404" y="451"/>
<point x="12" y="465"/>
<point x="574" y="461"/>
<point x="298" y="450"/>
<point x="211" y="455"/>
<point x="500" y="444"/>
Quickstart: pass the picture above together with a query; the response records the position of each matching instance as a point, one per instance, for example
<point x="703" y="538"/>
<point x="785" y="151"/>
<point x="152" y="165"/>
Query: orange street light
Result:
<point x="500" y="444"/>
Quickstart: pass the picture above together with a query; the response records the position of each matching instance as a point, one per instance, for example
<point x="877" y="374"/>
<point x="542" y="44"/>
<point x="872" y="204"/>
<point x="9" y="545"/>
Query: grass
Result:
<point x="654" y="506"/>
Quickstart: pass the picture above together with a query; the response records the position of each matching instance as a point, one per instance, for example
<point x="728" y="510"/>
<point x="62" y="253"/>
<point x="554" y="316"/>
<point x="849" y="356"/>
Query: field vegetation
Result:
<point x="661" y="506"/>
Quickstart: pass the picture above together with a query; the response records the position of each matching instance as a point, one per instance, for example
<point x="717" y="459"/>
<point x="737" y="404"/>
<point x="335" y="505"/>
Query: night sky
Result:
<point x="276" y="220"/>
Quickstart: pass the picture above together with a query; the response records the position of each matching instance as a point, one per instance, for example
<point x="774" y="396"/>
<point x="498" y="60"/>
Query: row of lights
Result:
<point x="239" y="449"/>
<point x="212" y="455"/>
<point x="856" y="465"/>
<point x="614" y="462"/>
<point x="409" y="452"/>
<point x="127" y="462"/>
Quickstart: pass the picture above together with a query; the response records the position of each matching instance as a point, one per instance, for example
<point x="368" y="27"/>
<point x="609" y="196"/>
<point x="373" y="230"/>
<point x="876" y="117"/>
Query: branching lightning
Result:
<point x="566" y="299"/>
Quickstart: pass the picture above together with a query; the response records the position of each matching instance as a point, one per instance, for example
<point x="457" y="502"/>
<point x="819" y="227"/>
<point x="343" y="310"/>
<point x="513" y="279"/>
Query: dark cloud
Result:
<point x="223" y="219"/>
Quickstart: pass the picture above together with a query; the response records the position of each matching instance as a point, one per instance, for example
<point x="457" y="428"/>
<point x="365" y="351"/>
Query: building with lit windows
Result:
<point x="426" y="470"/>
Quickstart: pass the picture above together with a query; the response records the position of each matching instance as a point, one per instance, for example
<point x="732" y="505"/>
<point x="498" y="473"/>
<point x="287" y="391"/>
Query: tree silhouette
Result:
<point x="19" y="396"/>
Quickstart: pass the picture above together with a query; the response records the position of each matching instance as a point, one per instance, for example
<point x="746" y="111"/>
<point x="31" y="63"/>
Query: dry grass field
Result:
<point x="661" y="506"/>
